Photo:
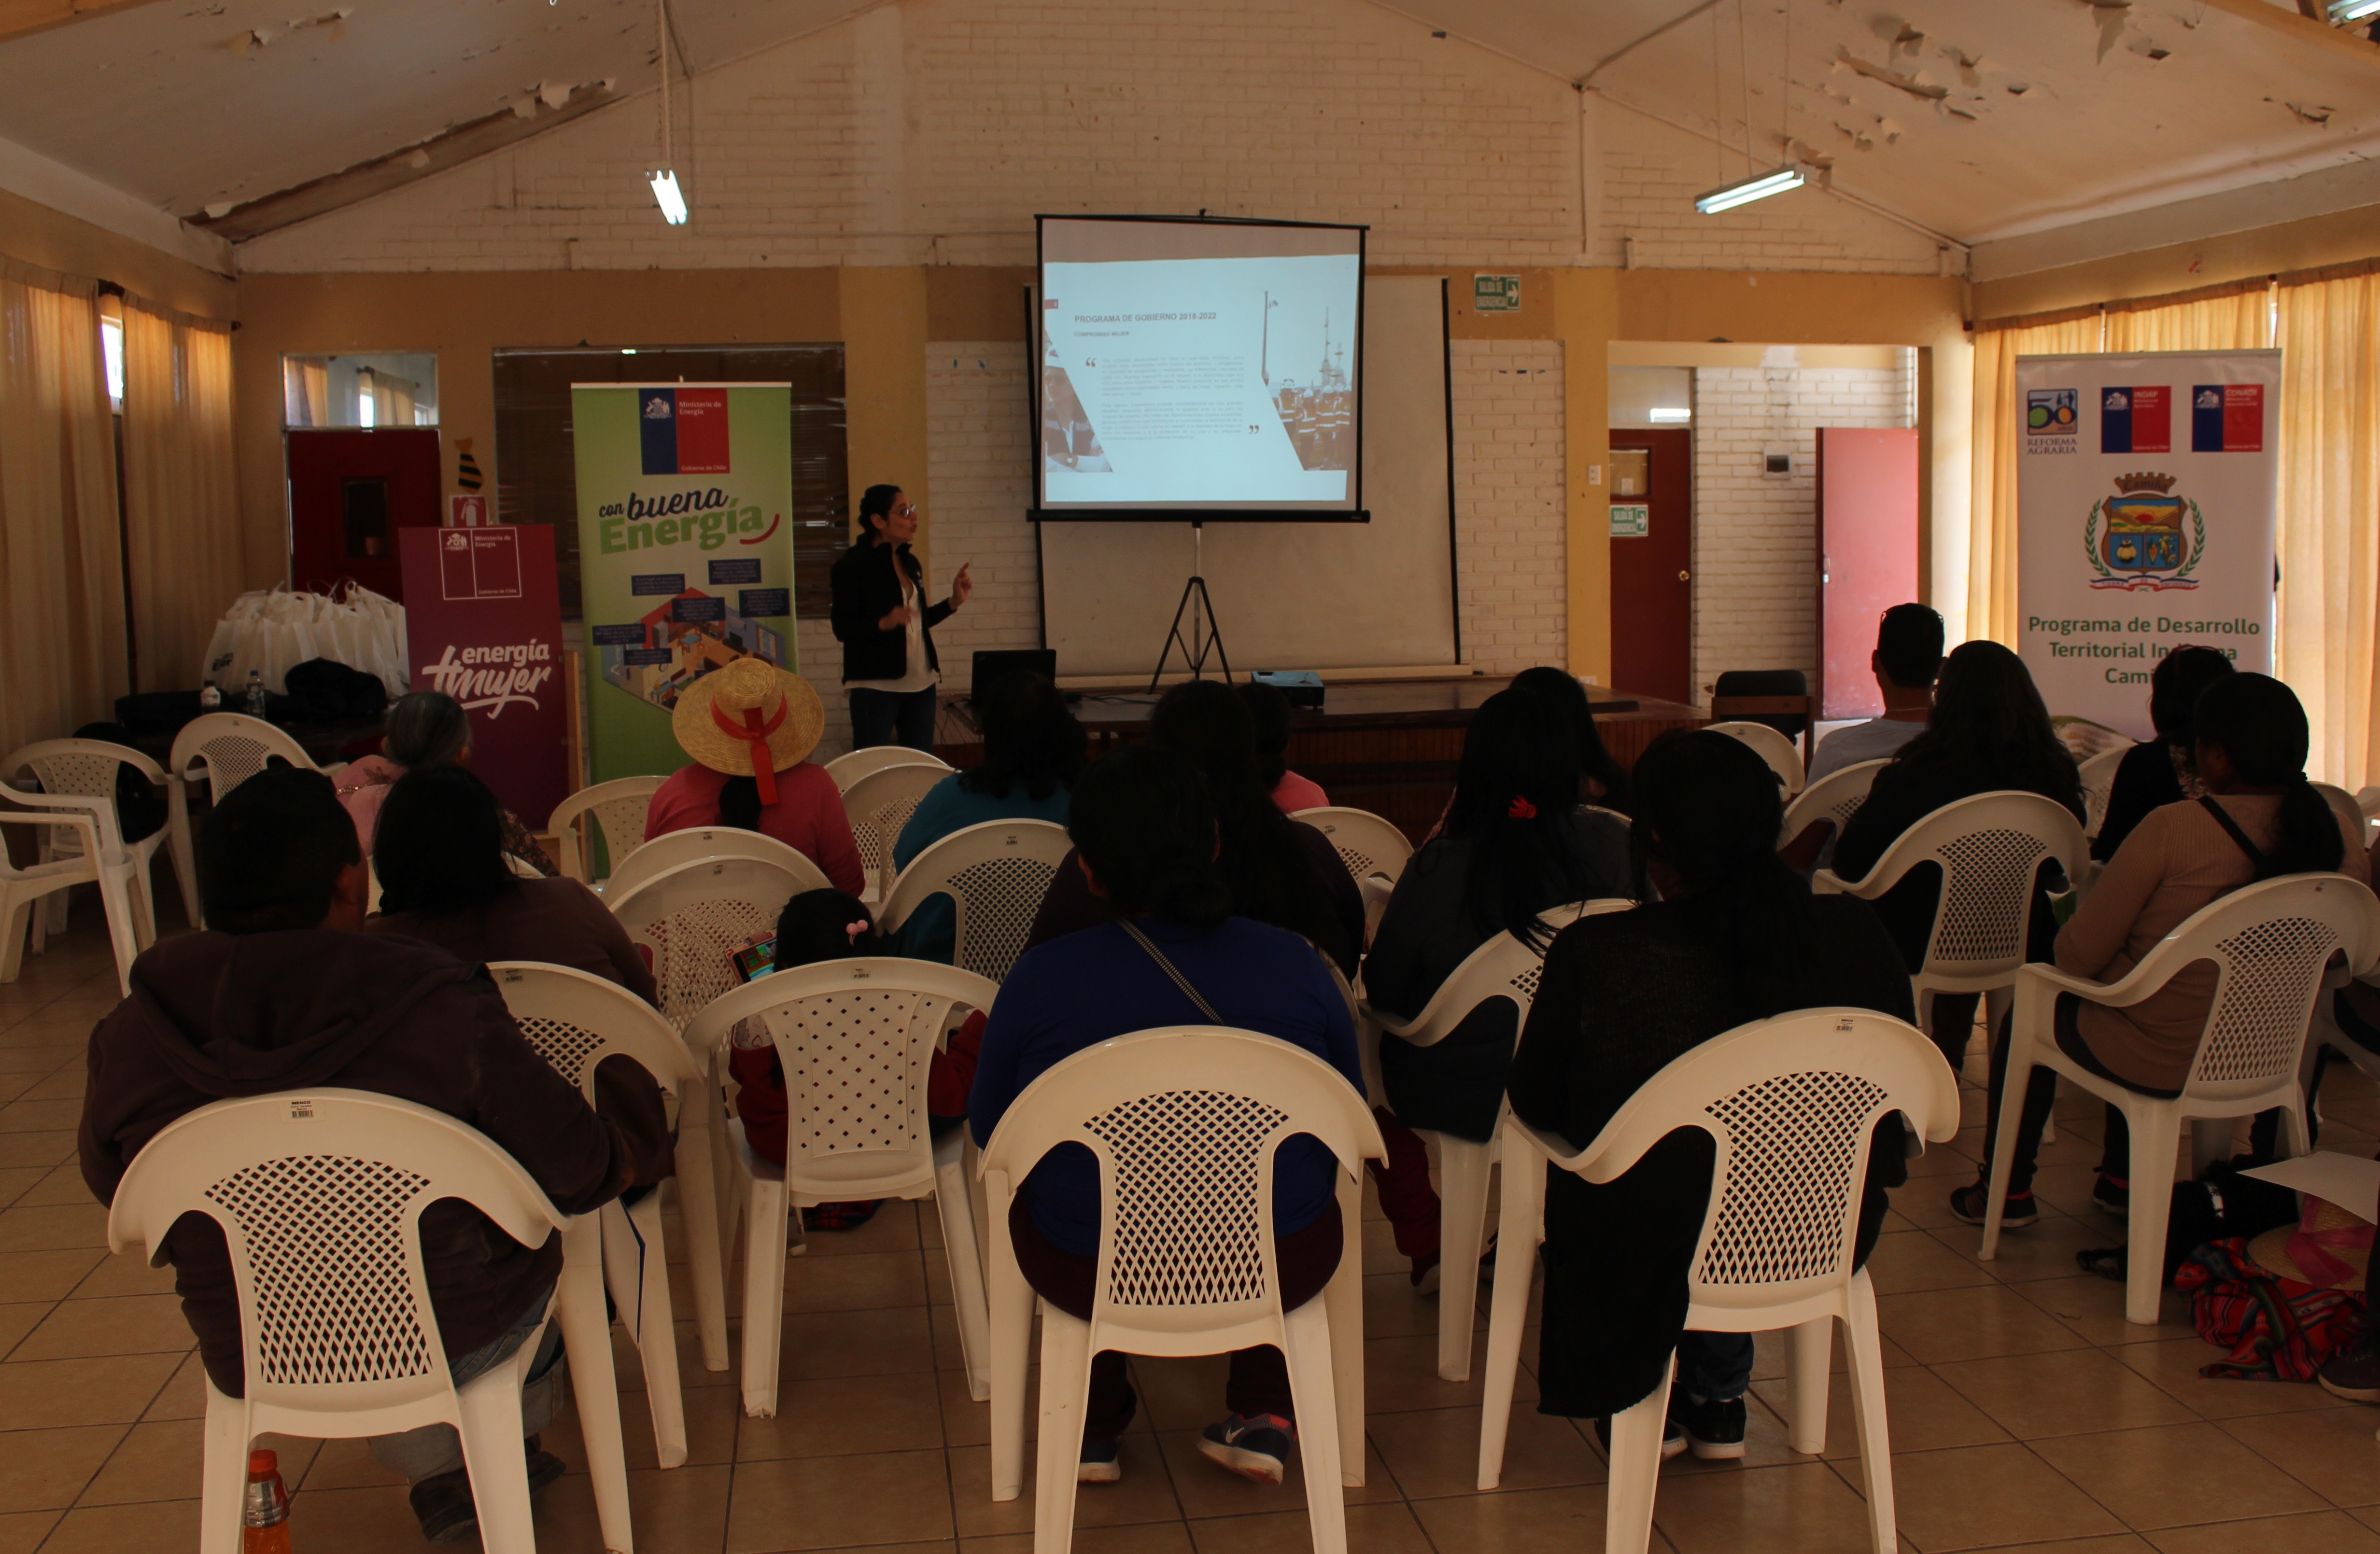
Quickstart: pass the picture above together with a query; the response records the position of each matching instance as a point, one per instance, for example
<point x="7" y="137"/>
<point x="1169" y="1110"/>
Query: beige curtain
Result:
<point x="2241" y="322"/>
<point x="306" y="388"/>
<point x="2330" y="518"/>
<point x="181" y="505"/>
<point x="62" y="653"/>
<point x="1991" y="556"/>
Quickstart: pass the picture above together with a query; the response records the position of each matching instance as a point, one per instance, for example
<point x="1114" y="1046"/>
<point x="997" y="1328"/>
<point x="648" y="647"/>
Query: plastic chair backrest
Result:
<point x="1836" y="796"/>
<point x="234" y="748"/>
<point x="2098" y="775"/>
<point x="1367" y="844"/>
<point x="1184" y="1121"/>
<point x="995" y="875"/>
<point x="2343" y="804"/>
<point x="856" y="1039"/>
<point x="1771" y="746"/>
<point x="619" y="808"/>
<point x="672" y="849"/>
<point x="320" y="1195"/>
<point x="695" y="916"/>
<point x="878" y="805"/>
<point x="575" y="1019"/>
<point x="852" y="765"/>
<point x="1789" y="1102"/>
<point x="1504" y="967"/>
<point x="1990" y="848"/>
<point x="79" y="768"/>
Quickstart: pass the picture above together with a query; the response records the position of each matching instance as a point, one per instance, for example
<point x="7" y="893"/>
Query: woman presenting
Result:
<point x="886" y="627"/>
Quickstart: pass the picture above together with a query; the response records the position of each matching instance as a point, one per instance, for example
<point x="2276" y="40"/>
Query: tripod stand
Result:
<point x="1206" y="636"/>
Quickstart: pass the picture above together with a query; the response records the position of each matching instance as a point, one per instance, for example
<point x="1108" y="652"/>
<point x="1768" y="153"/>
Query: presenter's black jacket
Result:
<point x="865" y="591"/>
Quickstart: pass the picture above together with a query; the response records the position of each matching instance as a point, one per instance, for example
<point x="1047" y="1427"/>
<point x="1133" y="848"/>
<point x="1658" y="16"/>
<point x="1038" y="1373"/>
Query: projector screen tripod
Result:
<point x="1205" y="635"/>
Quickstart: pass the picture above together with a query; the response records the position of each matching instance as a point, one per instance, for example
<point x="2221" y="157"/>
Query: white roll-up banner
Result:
<point x="2145" y="505"/>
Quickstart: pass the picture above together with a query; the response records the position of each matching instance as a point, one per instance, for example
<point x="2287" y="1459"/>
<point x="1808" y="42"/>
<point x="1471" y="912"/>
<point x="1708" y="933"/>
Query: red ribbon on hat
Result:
<point x="756" y="733"/>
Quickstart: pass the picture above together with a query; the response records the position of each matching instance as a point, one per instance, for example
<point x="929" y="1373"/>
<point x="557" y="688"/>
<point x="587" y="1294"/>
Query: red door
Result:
<point x="1652" y="552"/>
<point x="1867" y="555"/>
<point x="349" y="492"/>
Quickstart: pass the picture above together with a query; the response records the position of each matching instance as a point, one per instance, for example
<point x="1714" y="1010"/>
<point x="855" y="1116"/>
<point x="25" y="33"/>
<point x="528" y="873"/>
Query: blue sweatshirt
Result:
<point x="1077" y="992"/>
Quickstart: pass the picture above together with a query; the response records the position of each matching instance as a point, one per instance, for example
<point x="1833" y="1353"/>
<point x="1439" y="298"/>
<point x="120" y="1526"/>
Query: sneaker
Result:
<point x="1673" y="1436"/>
<point x="2113" y="1194"/>
<point x="1255" y="1449"/>
<point x="1098" y="1464"/>
<point x="1425" y="1276"/>
<point x="1714" y="1426"/>
<point x="1968" y="1203"/>
<point x="2355" y="1374"/>
<point x="443" y="1503"/>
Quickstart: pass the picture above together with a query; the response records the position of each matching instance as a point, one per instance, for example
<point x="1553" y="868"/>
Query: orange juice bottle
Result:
<point x="264" y="1513"/>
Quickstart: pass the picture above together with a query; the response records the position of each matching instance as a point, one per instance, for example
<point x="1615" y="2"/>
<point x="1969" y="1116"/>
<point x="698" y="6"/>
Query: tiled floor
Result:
<point x="2024" y="1411"/>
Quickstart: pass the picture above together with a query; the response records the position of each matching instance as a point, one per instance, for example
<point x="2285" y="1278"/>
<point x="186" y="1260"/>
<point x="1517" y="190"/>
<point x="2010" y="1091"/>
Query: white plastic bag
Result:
<point x="271" y="631"/>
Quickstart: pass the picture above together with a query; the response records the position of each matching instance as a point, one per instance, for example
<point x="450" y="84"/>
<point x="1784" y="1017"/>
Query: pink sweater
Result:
<point x="808" y="816"/>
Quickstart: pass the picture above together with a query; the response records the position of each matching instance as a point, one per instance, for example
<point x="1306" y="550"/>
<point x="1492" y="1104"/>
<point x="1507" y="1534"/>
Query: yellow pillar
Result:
<point x="1586" y="319"/>
<point x="883" y="314"/>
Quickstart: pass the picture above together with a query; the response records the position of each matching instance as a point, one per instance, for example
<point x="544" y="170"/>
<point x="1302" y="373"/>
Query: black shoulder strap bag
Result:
<point x="2256" y="854"/>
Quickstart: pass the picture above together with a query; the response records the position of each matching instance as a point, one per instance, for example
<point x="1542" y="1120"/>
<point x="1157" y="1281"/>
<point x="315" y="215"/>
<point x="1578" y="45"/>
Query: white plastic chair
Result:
<point x="616" y="808"/>
<point x="856" y="1039"/>
<point x="2345" y="806"/>
<point x="995" y="874"/>
<point x="86" y="769"/>
<point x="2270" y="943"/>
<point x="576" y="1021"/>
<point x="227" y="749"/>
<point x="877" y="805"/>
<point x="1772" y="747"/>
<point x="1990" y="849"/>
<point x="852" y="765"/>
<point x="1502" y="968"/>
<point x="1789" y="1103"/>
<point x="674" y="848"/>
<point x="1373" y="848"/>
<point x="2098" y="774"/>
<point x="320" y="1195"/>
<point x="1183" y="1122"/>
<point x="1835" y="798"/>
<point x="23" y="891"/>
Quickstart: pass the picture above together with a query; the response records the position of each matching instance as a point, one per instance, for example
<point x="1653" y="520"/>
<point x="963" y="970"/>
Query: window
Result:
<point x="111" y="349"/>
<point x="537" y="471"/>
<point x="381" y="388"/>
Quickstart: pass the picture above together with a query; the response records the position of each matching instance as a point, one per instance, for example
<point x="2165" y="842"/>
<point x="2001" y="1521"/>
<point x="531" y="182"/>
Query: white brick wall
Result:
<point x="1755" y="536"/>
<point x="1509" y="552"/>
<point x="979" y="471"/>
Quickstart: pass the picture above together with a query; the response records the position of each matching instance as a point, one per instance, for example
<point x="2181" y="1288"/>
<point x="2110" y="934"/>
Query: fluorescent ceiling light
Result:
<point x="672" y="203"/>
<point x="2353" y="10"/>
<point x="1663" y="413"/>
<point x="1727" y="197"/>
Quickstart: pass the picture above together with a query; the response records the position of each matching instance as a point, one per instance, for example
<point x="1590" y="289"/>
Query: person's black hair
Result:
<point x="1203" y="723"/>
<point x="1987" y="715"/>
<point x="816" y="926"/>
<point x="1515" y="794"/>
<point x="2174" y="687"/>
<point x="270" y="854"/>
<point x="439" y="846"/>
<point x="1141" y="820"/>
<point x="1561" y="690"/>
<point x="427" y="728"/>
<point x="875" y="502"/>
<point x="2257" y="722"/>
<point x="1269" y="717"/>
<point x="1709" y="808"/>
<point x="739" y="804"/>
<point x="1030" y="736"/>
<point x="1909" y="645"/>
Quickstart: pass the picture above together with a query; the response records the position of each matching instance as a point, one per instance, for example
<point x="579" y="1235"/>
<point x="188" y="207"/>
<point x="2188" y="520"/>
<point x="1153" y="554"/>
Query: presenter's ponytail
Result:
<point x="875" y="502"/>
<point x="2258" y="723"/>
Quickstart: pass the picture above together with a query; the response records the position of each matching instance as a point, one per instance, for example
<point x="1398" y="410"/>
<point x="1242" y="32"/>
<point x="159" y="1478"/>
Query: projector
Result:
<point x="1302" y="687"/>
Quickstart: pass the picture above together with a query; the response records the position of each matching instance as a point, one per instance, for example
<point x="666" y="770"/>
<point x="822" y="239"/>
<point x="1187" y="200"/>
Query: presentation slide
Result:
<point x="1196" y="365"/>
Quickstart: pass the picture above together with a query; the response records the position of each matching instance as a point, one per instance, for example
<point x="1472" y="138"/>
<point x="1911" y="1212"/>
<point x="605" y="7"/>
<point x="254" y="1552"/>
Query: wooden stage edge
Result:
<point x="1389" y="745"/>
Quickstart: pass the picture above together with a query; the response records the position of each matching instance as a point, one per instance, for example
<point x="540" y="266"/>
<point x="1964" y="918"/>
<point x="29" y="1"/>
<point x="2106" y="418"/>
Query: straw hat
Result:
<point x="2329" y="1249"/>
<point x="712" y="724"/>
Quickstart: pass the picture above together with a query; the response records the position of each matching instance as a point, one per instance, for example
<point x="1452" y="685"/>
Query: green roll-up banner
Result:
<point x="686" y="558"/>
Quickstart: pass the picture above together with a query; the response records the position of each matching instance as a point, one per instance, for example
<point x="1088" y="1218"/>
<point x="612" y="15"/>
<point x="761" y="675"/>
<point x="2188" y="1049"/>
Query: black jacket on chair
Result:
<point x="865" y="591"/>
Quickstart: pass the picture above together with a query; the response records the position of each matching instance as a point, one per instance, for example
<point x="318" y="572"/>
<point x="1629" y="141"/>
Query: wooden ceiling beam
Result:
<point x="20" y="18"/>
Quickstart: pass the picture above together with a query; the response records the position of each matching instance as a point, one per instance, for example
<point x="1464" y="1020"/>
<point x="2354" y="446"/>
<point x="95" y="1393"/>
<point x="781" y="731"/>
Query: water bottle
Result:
<point x="264" y="1511"/>
<point x="255" y="708"/>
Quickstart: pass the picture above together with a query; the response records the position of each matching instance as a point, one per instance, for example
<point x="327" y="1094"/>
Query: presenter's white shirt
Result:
<point x="1876" y="739"/>
<point x="919" y="677"/>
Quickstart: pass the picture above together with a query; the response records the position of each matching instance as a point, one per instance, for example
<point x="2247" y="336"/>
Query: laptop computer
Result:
<point x="995" y="664"/>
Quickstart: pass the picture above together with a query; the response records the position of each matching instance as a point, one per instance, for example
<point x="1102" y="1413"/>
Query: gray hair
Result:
<point x="427" y="728"/>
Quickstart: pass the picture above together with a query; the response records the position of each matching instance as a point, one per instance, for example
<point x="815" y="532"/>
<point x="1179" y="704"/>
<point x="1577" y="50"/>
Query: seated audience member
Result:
<point x="1602" y="780"/>
<point x="282" y="991"/>
<point x="425" y="729"/>
<point x="1988" y="733"/>
<point x="2260" y="818"/>
<point x="1278" y="870"/>
<point x="2164" y="770"/>
<point x="1515" y="841"/>
<point x="1033" y="750"/>
<point x="1170" y="952"/>
<point x="1268" y="709"/>
<point x="444" y="882"/>
<point x="723" y="720"/>
<point x="1908" y="655"/>
<point x="1735" y="937"/>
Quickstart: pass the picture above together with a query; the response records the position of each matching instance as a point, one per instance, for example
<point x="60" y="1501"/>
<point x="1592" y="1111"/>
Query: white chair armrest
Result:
<point x="1555" y="1148"/>
<point x="2130" y="990"/>
<point x="1826" y="881"/>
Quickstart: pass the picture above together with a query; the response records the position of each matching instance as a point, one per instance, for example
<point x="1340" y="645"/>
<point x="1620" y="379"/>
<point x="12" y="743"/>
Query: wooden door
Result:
<point x="349" y="492"/>
<point x="1652" y="557"/>
<point x="1867" y="555"/>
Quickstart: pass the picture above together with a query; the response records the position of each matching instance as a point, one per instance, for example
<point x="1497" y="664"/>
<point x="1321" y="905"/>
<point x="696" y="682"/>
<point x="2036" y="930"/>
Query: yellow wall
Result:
<point x="37" y="235"/>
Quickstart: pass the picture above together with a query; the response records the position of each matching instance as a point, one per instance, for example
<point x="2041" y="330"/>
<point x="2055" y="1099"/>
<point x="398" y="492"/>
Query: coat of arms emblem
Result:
<point x="2145" y="536"/>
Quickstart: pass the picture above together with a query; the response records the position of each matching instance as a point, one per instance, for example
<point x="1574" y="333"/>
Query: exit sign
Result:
<point x="1496" y="294"/>
<point x="1631" y="520"/>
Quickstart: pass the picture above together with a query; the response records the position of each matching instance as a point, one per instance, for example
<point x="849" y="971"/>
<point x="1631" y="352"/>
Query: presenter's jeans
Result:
<point x="893" y="718"/>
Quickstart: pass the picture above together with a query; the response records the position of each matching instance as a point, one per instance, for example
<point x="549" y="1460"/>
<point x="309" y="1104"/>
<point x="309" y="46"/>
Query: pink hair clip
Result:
<point x="856" y="929"/>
